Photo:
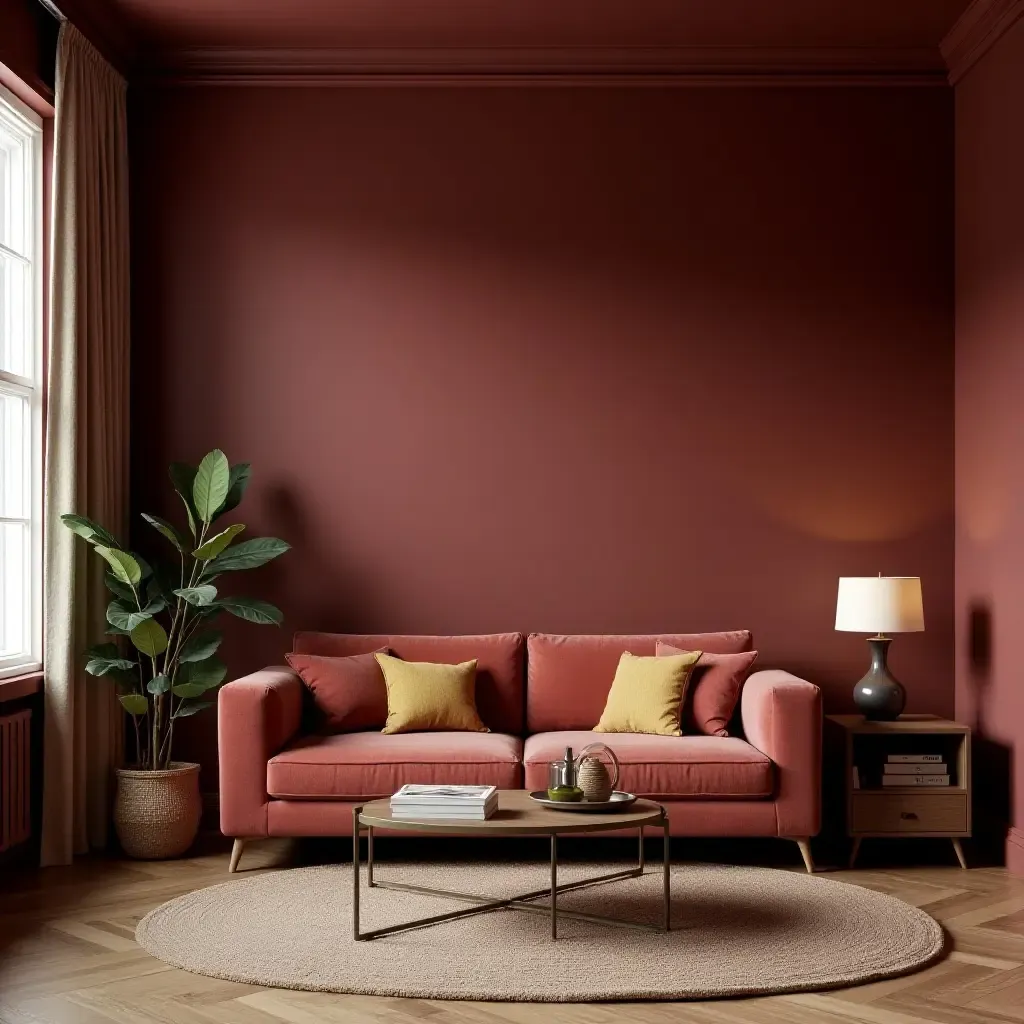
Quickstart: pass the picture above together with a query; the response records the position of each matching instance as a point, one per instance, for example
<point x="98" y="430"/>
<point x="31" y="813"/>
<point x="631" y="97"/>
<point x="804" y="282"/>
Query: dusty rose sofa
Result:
<point x="538" y="696"/>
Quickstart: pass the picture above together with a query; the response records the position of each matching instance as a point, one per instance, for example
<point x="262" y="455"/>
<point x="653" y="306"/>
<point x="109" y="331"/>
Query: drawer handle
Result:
<point x="908" y="815"/>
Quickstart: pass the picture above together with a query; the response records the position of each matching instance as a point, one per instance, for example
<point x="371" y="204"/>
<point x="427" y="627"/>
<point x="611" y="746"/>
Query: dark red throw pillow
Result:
<point x="714" y="691"/>
<point x="349" y="693"/>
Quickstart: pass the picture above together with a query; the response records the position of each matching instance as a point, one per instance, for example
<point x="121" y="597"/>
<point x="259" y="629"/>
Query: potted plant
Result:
<point x="162" y="657"/>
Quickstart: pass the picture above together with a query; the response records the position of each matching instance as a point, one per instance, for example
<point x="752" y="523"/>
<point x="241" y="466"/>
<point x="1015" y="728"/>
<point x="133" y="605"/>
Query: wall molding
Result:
<point x="977" y="30"/>
<point x="649" y="66"/>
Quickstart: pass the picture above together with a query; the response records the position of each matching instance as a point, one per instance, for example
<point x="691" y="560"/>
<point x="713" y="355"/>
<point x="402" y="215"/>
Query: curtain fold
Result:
<point x="86" y="439"/>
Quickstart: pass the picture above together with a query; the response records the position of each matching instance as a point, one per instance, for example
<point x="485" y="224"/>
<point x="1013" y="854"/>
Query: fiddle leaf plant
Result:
<point x="164" y="669"/>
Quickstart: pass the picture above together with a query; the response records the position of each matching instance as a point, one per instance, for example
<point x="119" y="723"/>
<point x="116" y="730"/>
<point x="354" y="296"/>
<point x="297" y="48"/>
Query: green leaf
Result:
<point x="122" y="565"/>
<point x="125" y="618"/>
<point x="158" y="684"/>
<point x="169" y="530"/>
<point x="117" y="588"/>
<point x="249" y="554"/>
<point x="252" y="610"/>
<point x="199" y="596"/>
<point x="106" y="666"/>
<point x="89" y="530"/>
<point x="210" y="487"/>
<point x="188" y="690"/>
<point x="134" y="703"/>
<point x="182" y="477"/>
<point x="200" y="647"/>
<point x="150" y="638"/>
<point x="207" y="673"/>
<point x="184" y="710"/>
<point x="191" y="517"/>
<point x="144" y="567"/>
<point x="216" y="544"/>
<point x="238" y="481"/>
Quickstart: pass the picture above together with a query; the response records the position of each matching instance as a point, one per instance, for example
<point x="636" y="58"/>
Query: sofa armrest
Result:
<point x="256" y="716"/>
<point x="781" y="716"/>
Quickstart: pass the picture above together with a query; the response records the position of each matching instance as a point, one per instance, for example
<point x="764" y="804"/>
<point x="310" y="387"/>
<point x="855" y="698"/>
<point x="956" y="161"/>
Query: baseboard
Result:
<point x="1015" y="851"/>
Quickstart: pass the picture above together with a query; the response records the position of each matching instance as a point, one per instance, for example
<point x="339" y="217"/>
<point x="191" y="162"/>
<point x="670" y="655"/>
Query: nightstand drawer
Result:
<point x="912" y="812"/>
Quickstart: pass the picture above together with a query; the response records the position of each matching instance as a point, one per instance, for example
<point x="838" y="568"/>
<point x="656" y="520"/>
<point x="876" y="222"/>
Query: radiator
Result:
<point x="15" y="775"/>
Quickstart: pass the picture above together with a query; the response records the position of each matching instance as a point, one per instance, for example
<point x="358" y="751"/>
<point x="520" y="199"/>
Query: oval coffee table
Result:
<point x="517" y="815"/>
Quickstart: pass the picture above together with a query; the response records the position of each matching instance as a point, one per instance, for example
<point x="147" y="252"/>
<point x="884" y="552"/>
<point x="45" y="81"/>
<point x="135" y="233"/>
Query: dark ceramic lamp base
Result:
<point x="878" y="695"/>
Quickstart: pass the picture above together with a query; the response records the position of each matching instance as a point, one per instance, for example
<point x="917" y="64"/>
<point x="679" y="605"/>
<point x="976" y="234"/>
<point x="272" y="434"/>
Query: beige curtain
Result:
<point x="86" y="438"/>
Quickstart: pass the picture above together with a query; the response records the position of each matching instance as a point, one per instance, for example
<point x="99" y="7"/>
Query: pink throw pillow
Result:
<point x="714" y="690"/>
<point x="349" y="693"/>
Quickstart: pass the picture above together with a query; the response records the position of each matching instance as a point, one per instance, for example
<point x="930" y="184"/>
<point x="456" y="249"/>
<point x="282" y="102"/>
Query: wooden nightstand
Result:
<point x="874" y="810"/>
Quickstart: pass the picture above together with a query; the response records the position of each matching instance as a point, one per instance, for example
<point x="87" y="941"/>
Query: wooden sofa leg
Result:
<point x="236" y="855"/>
<point x="805" y="852"/>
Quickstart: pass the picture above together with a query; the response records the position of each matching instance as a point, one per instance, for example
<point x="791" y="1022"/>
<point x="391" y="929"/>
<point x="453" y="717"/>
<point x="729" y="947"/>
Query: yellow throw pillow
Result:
<point x="424" y="697"/>
<point x="647" y="694"/>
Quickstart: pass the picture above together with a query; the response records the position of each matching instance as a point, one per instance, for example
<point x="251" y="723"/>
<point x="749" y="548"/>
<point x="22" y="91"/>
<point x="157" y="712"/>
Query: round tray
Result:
<point x="619" y="801"/>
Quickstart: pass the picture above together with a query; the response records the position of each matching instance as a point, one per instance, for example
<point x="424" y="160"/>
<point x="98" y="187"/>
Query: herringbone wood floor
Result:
<point x="67" y="954"/>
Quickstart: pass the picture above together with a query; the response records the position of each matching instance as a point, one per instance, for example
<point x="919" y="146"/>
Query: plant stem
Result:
<point x="138" y="741"/>
<point x="166" y="746"/>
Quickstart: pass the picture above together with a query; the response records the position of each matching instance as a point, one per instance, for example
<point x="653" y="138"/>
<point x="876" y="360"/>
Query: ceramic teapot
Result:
<point x="584" y="777"/>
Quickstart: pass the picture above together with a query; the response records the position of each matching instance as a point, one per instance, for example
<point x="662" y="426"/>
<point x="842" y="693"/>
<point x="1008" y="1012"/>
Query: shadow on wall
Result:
<point x="992" y="761"/>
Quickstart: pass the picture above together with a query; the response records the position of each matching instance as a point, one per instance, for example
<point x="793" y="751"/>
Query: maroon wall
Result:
<point x="990" y="427"/>
<point x="28" y="41"/>
<point x="571" y="360"/>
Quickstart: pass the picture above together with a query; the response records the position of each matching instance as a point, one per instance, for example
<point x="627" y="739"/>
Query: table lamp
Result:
<point x="879" y="604"/>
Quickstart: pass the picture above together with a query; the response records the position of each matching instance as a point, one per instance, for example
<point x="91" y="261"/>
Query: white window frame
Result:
<point x="25" y="122"/>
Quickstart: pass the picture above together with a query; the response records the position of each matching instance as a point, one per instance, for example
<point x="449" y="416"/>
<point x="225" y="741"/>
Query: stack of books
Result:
<point x="915" y="770"/>
<point x="470" y="803"/>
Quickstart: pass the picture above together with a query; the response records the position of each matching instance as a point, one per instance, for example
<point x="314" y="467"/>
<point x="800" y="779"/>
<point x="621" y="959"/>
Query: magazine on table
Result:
<point x="444" y="794"/>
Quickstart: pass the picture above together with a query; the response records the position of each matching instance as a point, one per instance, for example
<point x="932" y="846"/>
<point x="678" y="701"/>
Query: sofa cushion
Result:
<point x="349" y="694"/>
<point x="426" y="697"/>
<point x="714" y="690"/>
<point x="569" y="676"/>
<point x="646" y="697"/>
<point x="663" y="767"/>
<point x="499" y="665"/>
<point x="366" y="765"/>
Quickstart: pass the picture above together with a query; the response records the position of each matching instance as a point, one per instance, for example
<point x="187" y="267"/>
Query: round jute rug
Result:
<point x="736" y="931"/>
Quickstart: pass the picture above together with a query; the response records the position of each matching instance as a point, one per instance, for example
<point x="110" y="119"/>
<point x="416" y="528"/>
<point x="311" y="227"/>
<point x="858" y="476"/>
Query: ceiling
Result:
<point x="788" y="24"/>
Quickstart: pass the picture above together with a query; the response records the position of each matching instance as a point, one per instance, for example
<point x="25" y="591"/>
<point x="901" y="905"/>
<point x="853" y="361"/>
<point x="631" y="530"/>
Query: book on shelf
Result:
<point x="915" y="780"/>
<point x="856" y="777"/>
<point x="914" y="759"/>
<point x="907" y="768"/>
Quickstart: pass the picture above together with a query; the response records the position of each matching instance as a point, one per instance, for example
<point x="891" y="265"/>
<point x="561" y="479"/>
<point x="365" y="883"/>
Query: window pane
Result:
<point x="15" y="194"/>
<point x="16" y="316"/>
<point x="15" y="457"/>
<point x="15" y="612"/>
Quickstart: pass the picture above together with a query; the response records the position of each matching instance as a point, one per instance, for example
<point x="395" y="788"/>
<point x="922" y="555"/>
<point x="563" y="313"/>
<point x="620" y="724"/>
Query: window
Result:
<point x="21" y="400"/>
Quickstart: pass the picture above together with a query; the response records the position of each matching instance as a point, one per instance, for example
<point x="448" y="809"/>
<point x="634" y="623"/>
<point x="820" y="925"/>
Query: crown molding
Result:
<point x="977" y="30"/>
<point x="651" y="66"/>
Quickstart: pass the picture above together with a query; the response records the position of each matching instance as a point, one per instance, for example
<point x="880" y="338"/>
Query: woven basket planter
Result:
<point x="156" y="814"/>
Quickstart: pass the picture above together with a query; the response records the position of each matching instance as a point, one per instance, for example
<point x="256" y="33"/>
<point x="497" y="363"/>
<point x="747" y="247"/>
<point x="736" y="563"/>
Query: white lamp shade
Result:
<point x="879" y="604"/>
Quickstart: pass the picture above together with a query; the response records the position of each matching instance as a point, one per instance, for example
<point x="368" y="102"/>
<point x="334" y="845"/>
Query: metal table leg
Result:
<point x="667" y="871"/>
<point x="520" y="901"/>
<point x="554" y="886"/>
<point x="356" y="811"/>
